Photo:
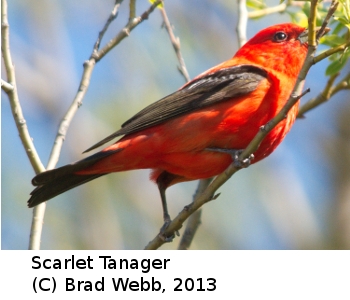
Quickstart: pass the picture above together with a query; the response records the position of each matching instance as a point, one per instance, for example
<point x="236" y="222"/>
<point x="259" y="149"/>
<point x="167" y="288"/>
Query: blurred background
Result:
<point x="298" y="198"/>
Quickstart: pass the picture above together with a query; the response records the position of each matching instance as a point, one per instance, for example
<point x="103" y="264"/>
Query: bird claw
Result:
<point x="237" y="162"/>
<point x="167" y="238"/>
<point x="241" y="163"/>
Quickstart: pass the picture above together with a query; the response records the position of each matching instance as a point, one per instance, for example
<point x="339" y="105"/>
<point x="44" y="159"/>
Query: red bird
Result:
<point x="192" y="133"/>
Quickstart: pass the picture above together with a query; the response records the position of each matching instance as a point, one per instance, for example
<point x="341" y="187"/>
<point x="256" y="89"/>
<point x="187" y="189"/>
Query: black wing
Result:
<point x="204" y="91"/>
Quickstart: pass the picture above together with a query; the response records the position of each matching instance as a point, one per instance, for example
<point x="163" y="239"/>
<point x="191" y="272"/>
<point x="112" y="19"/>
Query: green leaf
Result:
<point x="256" y="4"/>
<point x="343" y="21"/>
<point x="336" y="66"/>
<point x="346" y="9"/>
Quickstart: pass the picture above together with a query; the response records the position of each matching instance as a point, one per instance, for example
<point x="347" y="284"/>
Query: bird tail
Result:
<point x="57" y="181"/>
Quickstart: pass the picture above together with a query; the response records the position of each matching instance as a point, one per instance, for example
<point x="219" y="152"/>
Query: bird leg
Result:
<point x="237" y="162"/>
<point x="163" y="181"/>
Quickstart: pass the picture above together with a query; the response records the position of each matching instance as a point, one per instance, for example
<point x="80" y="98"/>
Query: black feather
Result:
<point x="58" y="186"/>
<point x="54" y="182"/>
<point x="202" y="92"/>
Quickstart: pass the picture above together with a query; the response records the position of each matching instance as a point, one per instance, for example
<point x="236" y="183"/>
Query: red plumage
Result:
<point x="222" y="108"/>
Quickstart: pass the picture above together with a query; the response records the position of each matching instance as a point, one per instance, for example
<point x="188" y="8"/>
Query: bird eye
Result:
<point x="280" y="36"/>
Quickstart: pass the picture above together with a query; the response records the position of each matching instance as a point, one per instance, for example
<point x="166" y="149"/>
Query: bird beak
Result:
<point x="303" y="37"/>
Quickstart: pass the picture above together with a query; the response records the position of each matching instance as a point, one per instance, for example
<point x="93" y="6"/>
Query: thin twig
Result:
<point x="13" y="95"/>
<point x="18" y="116"/>
<point x="241" y="28"/>
<point x="322" y="97"/>
<point x="328" y="92"/>
<point x="83" y="87"/>
<point x="132" y="9"/>
<point x="266" y="11"/>
<point x="333" y="7"/>
<point x="85" y="80"/>
<point x="68" y="117"/>
<point x="195" y="219"/>
<point x="6" y="87"/>
<point x="175" y="41"/>
<point x="38" y="212"/>
<point x="112" y="16"/>
<point x="207" y="195"/>
<point x="274" y="9"/>
<point x="331" y="51"/>
<point x="344" y="84"/>
<point x="125" y="32"/>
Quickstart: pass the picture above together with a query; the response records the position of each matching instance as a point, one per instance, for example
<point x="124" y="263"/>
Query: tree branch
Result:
<point x="241" y="28"/>
<point x="333" y="7"/>
<point x="344" y="84"/>
<point x="6" y="87"/>
<point x="274" y="9"/>
<point x="266" y="11"/>
<point x="195" y="219"/>
<point x="125" y="32"/>
<point x="111" y="18"/>
<point x="331" y="51"/>
<point x="328" y="92"/>
<point x="322" y="97"/>
<point x="18" y="116"/>
<point x="13" y="95"/>
<point x="132" y="9"/>
<point x="175" y="41"/>
<point x="38" y="212"/>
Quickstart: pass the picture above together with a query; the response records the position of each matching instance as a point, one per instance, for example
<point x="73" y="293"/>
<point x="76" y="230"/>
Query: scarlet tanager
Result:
<point x="192" y="133"/>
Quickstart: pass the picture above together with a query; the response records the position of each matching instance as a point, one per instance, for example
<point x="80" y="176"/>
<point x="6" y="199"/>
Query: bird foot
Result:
<point x="241" y="163"/>
<point x="237" y="162"/>
<point x="162" y="235"/>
